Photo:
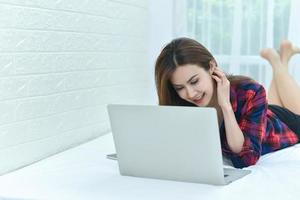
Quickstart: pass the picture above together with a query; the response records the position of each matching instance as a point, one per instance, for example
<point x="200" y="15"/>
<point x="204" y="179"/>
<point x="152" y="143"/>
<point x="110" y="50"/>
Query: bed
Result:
<point x="84" y="172"/>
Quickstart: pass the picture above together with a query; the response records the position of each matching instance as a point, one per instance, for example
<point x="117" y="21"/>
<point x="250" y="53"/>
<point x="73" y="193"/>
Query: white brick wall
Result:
<point x="61" y="62"/>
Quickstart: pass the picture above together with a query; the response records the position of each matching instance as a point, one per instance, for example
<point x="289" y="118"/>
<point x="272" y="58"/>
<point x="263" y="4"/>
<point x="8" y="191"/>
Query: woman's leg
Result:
<point x="286" y="87"/>
<point x="287" y="50"/>
<point x="272" y="95"/>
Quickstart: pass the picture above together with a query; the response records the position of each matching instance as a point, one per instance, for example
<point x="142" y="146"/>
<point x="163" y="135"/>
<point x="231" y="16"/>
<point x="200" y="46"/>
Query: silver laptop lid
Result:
<point x="168" y="142"/>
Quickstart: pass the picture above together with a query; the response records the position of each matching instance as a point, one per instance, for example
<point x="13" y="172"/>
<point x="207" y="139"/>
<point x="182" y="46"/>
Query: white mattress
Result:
<point x="84" y="173"/>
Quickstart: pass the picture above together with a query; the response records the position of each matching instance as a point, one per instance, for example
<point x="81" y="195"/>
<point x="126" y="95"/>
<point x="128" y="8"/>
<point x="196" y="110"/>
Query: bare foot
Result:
<point x="272" y="56"/>
<point x="287" y="50"/>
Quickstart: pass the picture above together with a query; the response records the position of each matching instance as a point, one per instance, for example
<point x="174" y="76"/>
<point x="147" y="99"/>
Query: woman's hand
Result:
<point x="223" y="88"/>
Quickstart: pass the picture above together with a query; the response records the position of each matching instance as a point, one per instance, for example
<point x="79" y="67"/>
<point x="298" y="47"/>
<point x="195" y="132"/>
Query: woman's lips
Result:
<point x="198" y="101"/>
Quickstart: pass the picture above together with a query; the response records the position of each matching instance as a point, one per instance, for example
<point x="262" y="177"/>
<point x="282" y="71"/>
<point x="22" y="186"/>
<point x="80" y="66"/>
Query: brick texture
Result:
<point x="61" y="63"/>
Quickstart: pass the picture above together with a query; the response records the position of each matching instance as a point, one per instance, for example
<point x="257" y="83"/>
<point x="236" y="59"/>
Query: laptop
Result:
<point x="177" y="143"/>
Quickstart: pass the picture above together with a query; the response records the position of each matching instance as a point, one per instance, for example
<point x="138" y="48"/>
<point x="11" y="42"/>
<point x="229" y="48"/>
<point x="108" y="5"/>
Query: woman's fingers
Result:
<point x="217" y="78"/>
<point x="220" y="74"/>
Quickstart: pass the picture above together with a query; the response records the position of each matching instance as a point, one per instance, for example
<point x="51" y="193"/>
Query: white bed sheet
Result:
<point x="84" y="173"/>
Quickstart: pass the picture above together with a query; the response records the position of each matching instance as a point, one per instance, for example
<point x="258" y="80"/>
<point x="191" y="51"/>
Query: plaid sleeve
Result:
<point x="252" y="124"/>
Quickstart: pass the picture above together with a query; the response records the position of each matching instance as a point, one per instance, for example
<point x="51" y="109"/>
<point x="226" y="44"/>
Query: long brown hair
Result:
<point x="179" y="52"/>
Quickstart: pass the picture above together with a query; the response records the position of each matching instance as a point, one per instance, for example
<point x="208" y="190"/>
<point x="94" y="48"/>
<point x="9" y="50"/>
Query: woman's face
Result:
<point x="194" y="84"/>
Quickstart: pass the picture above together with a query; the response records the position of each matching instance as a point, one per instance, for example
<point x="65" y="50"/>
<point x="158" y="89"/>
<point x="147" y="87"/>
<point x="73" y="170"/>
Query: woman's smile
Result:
<point x="199" y="99"/>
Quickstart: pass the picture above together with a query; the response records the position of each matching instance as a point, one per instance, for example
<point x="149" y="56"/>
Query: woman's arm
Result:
<point x="249" y="130"/>
<point x="234" y="135"/>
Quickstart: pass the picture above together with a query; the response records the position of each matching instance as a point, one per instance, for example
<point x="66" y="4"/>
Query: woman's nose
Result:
<point x="190" y="93"/>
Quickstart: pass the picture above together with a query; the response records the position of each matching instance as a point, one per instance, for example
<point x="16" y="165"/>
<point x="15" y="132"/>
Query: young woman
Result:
<point x="251" y="123"/>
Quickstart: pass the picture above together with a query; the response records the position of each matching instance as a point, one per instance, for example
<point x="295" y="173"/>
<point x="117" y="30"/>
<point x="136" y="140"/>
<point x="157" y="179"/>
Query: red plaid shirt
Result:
<point x="262" y="129"/>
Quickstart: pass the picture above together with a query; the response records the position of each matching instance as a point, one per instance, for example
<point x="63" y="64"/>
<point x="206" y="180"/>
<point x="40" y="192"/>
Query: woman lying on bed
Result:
<point x="251" y="122"/>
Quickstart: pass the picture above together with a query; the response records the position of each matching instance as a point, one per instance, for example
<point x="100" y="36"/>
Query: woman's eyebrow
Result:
<point x="187" y="81"/>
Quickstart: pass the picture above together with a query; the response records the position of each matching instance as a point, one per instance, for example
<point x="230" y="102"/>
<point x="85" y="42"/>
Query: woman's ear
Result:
<point x="212" y="66"/>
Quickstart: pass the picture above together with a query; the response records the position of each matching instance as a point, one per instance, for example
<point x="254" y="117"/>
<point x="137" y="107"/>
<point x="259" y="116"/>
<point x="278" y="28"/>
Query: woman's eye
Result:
<point x="194" y="82"/>
<point x="178" y="89"/>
